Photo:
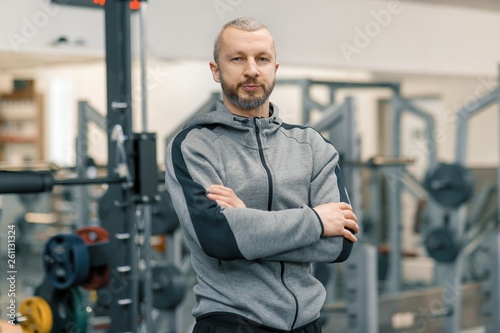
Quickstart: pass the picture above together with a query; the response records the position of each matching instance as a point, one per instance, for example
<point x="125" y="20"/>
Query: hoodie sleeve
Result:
<point x="327" y="185"/>
<point x="228" y="234"/>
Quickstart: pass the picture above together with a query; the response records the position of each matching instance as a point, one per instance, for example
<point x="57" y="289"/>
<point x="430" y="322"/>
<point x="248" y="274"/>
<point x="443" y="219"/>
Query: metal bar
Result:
<point x="306" y="102"/>
<point x="493" y="305"/>
<point x="413" y="185"/>
<point x="375" y="208"/>
<point x="479" y="204"/>
<point x="146" y="209"/>
<point x="332" y="115"/>
<point x="148" y="279"/>
<point x="143" y="59"/>
<point x="352" y="153"/>
<point x="125" y="317"/>
<point x="88" y="181"/>
<point x="396" y="125"/>
<point x="82" y="193"/>
<point x="94" y="116"/>
<point x="361" y="287"/>
<point x="494" y="326"/>
<point x="394" y="271"/>
<point x="391" y="85"/>
<point x="463" y="116"/>
<point x="429" y="121"/>
<point x="451" y="283"/>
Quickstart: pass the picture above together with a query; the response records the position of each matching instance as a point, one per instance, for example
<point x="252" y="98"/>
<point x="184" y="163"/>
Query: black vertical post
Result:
<point x="121" y="295"/>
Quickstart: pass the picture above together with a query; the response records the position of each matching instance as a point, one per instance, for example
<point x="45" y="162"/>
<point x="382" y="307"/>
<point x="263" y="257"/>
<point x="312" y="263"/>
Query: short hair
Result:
<point x="242" y="23"/>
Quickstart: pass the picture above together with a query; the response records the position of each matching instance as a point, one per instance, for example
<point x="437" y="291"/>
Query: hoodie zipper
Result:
<point x="263" y="161"/>
<point x="269" y="207"/>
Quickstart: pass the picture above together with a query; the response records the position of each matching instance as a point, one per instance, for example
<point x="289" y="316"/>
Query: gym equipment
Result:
<point x="36" y="316"/>
<point x="164" y="219"/>
<point x="168" y="286"/>
<point x="99" y="275"/>
<point x="69" y="310"/>
<point x="132" y="182"/>
<point x="78" y="259"/>
<point x="453" y="272"/>
<point x="43" y="181"/>
<point x="442" y="245"/>
<point x="449" y="184"/>
<point x="490" y="287"/>
<point x="66" y="261"/>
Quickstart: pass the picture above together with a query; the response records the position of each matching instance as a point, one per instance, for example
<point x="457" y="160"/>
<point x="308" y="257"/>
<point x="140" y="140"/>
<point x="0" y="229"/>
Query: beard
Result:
<point x="250" y="102"/>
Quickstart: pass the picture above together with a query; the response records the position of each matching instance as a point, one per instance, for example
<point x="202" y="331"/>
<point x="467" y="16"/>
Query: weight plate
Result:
<point x="79" y="309"/>
<point x="441" y="245"/>
<point x="164" y="218"/>
<point x="66" y="260"/>
<point x="168" y="286"/>
<point x="38" y="315"/>
<point x="99" y="276"/>
<point x="449" y="184"/>
<point x="69" y="310"/>
<point x="93" y="234"/>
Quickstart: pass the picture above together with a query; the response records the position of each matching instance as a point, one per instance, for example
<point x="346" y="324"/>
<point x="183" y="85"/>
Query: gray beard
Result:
<point x="245" y="103"/>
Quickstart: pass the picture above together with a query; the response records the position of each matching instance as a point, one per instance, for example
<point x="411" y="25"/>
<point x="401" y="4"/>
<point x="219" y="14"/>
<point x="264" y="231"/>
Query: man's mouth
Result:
<point x="250" y="87"/>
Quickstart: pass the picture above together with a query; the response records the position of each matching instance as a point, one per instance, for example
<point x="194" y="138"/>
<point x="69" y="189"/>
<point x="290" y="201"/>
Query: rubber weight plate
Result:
<point x="69" y="310"/>
<point x="169" y="286"/>
<point x="164" y="219"/>
<point x="93" y="234"/>
<point x="66" y="260"/>
<point x="449" y="184"/>
<point x="38" y="315"/>
<point x="99" y="276"/>
<point x="441" y="245"/>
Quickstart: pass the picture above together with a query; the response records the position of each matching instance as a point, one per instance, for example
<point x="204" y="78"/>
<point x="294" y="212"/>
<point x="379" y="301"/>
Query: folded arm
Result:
<point x="338" y="220"/>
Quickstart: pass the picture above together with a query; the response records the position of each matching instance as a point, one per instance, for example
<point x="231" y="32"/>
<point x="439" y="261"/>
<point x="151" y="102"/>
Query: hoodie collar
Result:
<point x="221" y="115"/>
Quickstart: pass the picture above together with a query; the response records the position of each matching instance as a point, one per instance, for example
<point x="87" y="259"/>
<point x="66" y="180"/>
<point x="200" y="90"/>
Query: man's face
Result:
<point x="246" y="67"/>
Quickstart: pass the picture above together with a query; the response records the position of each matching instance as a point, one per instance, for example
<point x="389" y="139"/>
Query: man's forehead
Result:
<point x="233" y="37"/>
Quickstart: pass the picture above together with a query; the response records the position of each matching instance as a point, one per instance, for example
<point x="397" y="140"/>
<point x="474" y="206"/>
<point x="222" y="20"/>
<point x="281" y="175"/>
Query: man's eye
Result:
<point x="237" y="59"/>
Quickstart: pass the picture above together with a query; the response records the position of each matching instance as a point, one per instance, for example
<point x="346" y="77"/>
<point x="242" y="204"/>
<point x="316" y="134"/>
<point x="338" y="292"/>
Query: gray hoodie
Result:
<point x="255" y="262"/>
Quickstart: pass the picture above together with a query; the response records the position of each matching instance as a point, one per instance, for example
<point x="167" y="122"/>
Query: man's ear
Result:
<point x="215" y="71"/>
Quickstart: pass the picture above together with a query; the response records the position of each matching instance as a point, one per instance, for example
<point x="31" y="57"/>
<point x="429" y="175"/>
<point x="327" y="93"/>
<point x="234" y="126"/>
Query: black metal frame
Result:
<point x="120" y="222"/>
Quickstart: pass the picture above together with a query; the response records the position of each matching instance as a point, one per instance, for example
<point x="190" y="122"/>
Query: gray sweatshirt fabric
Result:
<point x="255" y="262"/>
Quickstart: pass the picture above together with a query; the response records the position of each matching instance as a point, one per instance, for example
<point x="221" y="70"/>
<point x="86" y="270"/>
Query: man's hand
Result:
<point x="338" y="220"/>
<point x="224" y="196"/>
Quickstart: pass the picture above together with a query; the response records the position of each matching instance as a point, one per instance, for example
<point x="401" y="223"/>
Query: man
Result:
<point x="258" y="199"/>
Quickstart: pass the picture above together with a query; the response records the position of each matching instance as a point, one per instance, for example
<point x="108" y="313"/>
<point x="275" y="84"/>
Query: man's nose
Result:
<point x="251" y="68"/>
